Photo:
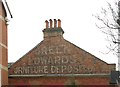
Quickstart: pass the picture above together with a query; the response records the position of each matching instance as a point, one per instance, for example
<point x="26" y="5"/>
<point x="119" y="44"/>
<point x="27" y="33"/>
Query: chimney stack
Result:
<point x="53" y="29"/>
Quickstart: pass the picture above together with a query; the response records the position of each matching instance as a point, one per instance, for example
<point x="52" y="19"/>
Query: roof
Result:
<point x="6" y="7"/>
<point x="9" y="64"/>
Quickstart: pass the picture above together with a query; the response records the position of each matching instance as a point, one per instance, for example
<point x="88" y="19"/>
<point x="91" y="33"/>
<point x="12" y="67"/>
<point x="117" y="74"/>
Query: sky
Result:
<point x="25" y="28"/>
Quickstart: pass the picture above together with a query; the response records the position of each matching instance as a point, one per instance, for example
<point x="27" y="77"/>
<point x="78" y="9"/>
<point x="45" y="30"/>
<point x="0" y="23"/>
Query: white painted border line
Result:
<point x="3" y="45"/>
<point x="3" y="67"/>
<point x="54" y="75"/>
<point x="2" y="18"/>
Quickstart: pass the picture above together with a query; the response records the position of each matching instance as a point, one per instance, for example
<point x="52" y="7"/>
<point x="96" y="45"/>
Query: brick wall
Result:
<point x="63" y="80"/>
<point x="3" y="46"/>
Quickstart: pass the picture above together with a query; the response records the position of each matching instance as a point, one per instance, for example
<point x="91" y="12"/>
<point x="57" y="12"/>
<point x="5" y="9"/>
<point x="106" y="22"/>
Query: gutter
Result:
<point x="6" y="5"/>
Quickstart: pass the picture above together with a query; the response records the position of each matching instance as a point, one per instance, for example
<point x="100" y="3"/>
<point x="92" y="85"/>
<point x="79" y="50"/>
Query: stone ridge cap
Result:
<point x="27" y="53"/>
<point x="89" y="53"/>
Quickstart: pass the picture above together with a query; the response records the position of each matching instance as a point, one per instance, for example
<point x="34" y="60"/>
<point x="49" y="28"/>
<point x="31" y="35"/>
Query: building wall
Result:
<point x="3" y="46"/>
<point x="55" y="56"/>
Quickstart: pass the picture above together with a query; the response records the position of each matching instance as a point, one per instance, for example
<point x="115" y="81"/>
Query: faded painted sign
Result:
<point x="51" y="60"/>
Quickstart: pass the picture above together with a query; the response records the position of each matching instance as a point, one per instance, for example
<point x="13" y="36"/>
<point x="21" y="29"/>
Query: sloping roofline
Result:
<point x="68" y="42"/>
<point x="90" y="54"/>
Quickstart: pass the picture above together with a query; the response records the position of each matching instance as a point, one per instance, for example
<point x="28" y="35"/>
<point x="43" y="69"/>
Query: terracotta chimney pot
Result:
<point x="55" y="23"/>
<point x="59" y="23"/>
<point x="50" y="23"/>
<point x="47" y="24"/>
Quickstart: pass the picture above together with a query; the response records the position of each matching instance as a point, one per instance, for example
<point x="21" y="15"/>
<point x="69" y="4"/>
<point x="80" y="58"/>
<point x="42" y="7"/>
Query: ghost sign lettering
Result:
<point x="51" y="60"/>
